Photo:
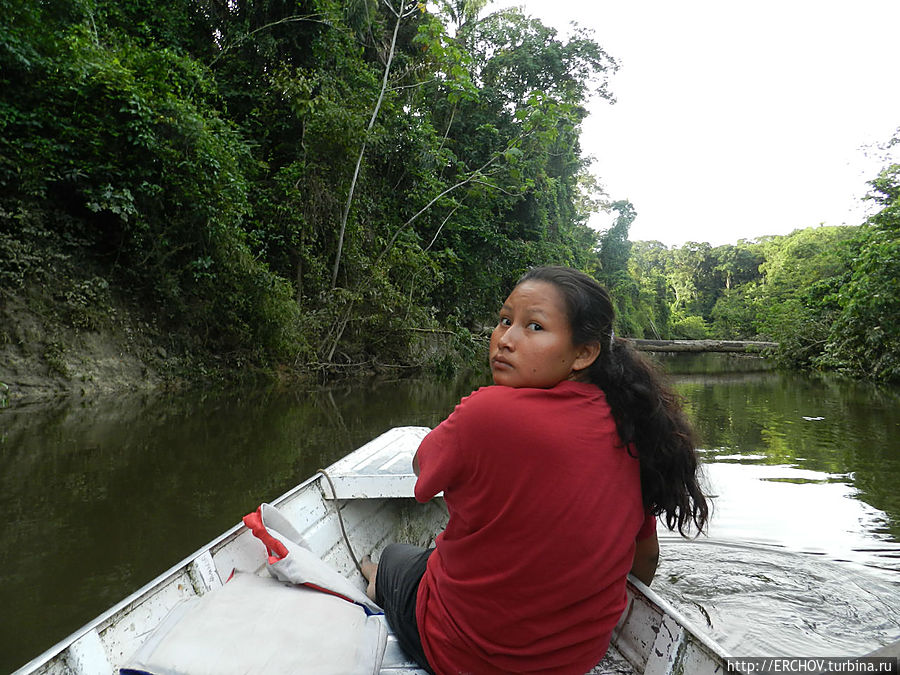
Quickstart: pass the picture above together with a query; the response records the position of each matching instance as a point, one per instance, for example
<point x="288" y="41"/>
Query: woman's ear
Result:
<point x="586" y="355"/>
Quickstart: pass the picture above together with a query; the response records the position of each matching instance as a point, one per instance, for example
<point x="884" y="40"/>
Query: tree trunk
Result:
<point x="362" y="150"/>
<point x="739" y="346"/>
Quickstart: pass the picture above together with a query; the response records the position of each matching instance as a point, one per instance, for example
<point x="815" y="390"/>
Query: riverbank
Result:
<point x="41" y="357"/>
<point x="46" y="353"/>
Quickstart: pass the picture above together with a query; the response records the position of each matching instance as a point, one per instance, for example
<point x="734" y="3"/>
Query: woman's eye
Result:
<point x="535" y="326"/>
<point x="504" y="321"/>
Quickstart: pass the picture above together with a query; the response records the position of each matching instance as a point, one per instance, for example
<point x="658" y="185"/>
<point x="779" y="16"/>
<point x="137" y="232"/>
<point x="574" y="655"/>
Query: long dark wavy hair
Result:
<point x="648" y="415"/>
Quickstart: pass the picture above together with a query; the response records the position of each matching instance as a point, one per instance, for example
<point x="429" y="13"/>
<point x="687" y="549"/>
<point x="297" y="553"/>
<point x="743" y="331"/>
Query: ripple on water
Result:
<point x="762" y="601"/>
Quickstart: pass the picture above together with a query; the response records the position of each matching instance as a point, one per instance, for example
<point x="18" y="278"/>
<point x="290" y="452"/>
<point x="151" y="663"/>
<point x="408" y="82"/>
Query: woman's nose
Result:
<point x="507" y="338"/>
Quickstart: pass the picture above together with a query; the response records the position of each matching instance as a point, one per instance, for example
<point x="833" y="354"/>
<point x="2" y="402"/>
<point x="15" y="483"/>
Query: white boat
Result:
<point x="364" y="501"/>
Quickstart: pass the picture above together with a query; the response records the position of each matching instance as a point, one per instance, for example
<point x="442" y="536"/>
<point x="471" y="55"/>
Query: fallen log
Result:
<point x="738" y="346"/>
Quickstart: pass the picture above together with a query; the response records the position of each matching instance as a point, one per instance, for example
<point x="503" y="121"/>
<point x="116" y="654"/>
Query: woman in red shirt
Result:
<point x="553" y="480"/>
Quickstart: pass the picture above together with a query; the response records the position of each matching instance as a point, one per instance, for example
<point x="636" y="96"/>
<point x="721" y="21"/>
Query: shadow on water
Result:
<point x="101" y="497"/>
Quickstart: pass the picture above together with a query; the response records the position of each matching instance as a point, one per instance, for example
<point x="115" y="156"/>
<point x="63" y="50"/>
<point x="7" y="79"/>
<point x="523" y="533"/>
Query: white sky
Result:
<point x="738" y="119"/>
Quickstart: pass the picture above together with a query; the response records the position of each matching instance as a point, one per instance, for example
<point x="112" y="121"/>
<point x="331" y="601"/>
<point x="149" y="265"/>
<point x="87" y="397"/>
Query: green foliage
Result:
<point x="250" y="310"/>
<point x="735" y="312"/>
<point x="129" y="161"/>
<point x="31" y="246"/>
<point x="864" y="340"/>
<point x="615" y="248"/>
<point x="827" y="295"/>
<point x="795" y="301"/>
<point x="88" y="304"/>
<point x="653" y="311"/>
<point x="690" y="328"/>
<point x="695" y="280"/>
<point x="55" y="358"/>
<point x="198" y="160"/>
<point x="803" y="258"/>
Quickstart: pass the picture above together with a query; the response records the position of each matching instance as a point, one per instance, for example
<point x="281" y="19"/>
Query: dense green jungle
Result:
<point x="326" y="187"/>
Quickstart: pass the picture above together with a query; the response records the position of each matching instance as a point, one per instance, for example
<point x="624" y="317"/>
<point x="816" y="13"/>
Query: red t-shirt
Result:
<point x="545" y="505"/>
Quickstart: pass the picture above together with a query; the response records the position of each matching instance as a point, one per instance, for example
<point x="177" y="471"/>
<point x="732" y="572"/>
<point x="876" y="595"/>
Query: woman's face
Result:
<point x="532" y="343"/>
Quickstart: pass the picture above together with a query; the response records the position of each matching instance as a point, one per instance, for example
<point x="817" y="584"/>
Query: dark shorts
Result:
<point x="400" y="570"/>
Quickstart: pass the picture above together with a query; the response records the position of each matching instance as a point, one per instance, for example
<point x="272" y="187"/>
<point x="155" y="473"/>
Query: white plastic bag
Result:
<point x="291" y="560"/>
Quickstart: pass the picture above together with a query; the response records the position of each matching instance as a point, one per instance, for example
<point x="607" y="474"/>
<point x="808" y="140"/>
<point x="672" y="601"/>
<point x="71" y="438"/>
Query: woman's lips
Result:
<point x="500" y="363"/>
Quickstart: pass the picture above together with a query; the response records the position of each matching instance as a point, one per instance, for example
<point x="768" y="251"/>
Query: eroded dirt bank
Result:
<point x="42" y="358"/>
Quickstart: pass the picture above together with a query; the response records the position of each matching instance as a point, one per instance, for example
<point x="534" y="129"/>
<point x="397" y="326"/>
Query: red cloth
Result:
<point x="545" y="505"/>
<point x="275" y="549"/>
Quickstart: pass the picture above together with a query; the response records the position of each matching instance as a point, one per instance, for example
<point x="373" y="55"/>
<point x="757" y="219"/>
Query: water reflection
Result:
<point x="845" y="430"/>
<point x="709" y="363"/>
<point x="99" y="498"/>
<point x="800" y="510"/>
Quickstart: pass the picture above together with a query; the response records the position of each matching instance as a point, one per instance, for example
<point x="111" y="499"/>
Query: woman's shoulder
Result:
<point x="497" y="393"/>
<point x="484" y="399"/>
<point x="494" y="397"/>
<point x="488" y="393"/>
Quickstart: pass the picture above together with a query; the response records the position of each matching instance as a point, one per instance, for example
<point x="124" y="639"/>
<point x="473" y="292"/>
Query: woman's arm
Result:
<point x="646" y="558"/>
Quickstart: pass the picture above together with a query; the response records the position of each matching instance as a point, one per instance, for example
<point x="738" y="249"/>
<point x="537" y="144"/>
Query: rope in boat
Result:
<point x="341" y="520"/>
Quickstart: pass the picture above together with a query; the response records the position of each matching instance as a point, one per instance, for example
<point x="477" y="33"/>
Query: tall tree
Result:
<point x="795" y="298"/>
<point x="615" y="248"/>
<point x="402" y="11"/>
<point x="865" y="338"/>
